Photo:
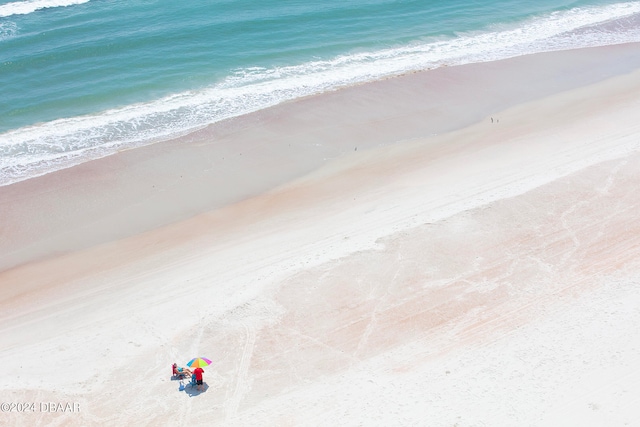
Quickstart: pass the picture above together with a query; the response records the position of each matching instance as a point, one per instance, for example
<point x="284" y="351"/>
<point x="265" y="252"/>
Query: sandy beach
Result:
<point x="455" y="247"/>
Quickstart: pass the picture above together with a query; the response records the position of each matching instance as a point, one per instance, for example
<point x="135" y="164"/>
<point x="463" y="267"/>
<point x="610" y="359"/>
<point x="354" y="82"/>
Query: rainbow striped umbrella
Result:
<point x="198" y="362"/>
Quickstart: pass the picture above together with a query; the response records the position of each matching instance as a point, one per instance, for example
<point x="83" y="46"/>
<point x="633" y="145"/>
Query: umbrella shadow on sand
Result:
<point x="193" y="391"/>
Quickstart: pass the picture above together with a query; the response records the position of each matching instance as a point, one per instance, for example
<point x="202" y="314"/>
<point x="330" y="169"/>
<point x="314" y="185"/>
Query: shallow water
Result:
<point x="83" y="79"/>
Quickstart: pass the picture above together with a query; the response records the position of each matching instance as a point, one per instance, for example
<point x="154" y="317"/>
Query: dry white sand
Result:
<point x="485" y="276"/>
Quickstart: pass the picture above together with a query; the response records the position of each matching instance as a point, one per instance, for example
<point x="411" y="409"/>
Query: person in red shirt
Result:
<point x="198" y="373"/>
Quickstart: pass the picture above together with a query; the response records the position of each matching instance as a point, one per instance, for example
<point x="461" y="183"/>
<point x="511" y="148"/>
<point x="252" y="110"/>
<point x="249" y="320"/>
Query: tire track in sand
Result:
<point x="242" y="386"/>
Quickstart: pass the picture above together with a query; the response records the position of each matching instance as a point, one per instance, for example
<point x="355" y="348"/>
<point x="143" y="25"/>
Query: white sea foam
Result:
<point x="30" y="6"/>
<point x="38" y="149"/>
<point x="7" y="30"/>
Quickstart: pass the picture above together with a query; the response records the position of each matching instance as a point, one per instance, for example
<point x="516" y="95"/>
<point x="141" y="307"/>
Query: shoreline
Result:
<point x="411" y="270"/>
<point x="111" y="198"/>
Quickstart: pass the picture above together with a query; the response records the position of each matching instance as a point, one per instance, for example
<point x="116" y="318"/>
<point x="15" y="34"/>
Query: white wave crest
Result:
<point x="34" y="150"/>
<point x="30" y="6"/>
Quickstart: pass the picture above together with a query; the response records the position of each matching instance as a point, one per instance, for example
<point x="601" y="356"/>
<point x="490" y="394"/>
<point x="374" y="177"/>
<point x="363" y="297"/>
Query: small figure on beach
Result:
<point x="180" y="372"/>
<point x="198" y="373"/>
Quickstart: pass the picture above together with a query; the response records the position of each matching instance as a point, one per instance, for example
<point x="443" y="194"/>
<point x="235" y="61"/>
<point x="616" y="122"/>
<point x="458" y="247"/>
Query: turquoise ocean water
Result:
<point x="81" y="79"/>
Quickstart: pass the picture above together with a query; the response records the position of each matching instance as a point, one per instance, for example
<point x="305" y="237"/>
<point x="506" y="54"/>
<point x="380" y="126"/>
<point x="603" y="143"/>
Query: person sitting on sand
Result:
<point x="180" y="372"/>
